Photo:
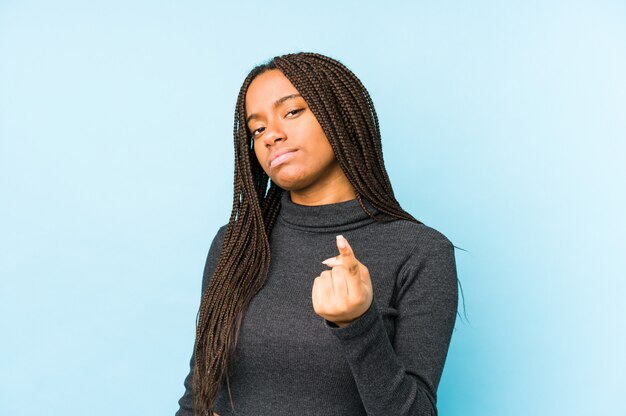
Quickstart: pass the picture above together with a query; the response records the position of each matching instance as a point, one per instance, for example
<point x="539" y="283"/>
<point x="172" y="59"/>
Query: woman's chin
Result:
<point x="289" y="182"/>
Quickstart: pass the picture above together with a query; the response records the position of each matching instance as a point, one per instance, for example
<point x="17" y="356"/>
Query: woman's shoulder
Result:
<point x="213" y="255"/>
<point x="426" y="252"/>
<point x="219" y="235"/>
<point x="412" y="234"/>
<point x="216" y="243"/>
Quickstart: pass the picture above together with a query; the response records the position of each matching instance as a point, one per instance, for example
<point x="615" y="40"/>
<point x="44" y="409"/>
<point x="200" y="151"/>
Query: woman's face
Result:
<point x="290" y="144"/>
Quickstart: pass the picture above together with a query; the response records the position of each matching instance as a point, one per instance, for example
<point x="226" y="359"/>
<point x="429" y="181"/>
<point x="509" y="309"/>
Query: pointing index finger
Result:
<point x="347" y="255"/>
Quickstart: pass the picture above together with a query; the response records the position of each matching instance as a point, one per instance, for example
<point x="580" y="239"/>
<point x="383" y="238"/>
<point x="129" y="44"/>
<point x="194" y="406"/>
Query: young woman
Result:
<point x="321" y="296"/>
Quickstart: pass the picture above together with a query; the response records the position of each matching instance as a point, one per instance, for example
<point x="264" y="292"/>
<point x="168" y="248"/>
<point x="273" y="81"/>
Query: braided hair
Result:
<point x="345" y="111"/>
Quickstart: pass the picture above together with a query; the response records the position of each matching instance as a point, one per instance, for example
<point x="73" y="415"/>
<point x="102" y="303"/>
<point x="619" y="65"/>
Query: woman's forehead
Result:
<point x="267" y="88"/>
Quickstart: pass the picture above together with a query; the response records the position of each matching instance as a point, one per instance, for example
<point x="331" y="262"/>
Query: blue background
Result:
<point x="503" y="127"/>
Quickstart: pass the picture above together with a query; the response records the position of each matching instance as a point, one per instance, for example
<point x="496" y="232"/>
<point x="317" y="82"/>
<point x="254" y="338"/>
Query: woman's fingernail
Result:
<point x="341" y="242"/>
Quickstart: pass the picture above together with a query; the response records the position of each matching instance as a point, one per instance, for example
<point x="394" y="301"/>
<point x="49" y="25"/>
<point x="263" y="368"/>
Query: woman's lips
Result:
<point x="281" y="159"/>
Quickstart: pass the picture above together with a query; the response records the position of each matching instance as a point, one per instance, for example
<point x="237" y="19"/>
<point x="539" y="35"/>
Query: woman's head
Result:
<point x="341" y="106"/>
<point x="289" y="143"/>
<point x="337" y="142"/>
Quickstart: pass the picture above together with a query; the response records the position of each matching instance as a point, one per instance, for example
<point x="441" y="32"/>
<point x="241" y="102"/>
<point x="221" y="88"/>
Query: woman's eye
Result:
<point x="258" y="131"/>
<point x="294" y="112"/>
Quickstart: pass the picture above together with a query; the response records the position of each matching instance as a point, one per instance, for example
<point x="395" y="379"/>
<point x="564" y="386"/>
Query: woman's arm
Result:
<point x="401" y="376"/>
<point x="186" y="401"/>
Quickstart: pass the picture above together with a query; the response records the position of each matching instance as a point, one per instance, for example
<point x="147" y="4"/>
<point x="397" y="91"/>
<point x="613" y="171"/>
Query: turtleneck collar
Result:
<point x="340" y="216"/>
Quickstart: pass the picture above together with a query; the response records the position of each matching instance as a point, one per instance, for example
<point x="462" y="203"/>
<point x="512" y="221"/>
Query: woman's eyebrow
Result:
<point x="276" y="104"/>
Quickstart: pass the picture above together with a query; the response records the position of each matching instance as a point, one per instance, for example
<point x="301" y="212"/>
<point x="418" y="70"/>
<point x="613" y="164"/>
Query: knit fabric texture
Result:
<point x="290" y="361"/>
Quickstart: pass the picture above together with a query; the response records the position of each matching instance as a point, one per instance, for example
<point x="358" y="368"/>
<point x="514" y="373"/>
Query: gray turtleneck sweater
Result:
<point x="290" y="361"/>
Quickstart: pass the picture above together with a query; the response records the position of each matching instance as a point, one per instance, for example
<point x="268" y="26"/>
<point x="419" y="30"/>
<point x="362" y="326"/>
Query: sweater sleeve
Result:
<point x="400" y="376"/>
<point x="186" y="401"/>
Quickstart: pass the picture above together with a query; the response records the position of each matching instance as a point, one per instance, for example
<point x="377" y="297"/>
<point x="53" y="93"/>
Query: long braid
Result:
<point x="345" y="111"/>
<point x="240" y="273"/>
<point x="353" y="145"/>
<point x="346" y="136"/>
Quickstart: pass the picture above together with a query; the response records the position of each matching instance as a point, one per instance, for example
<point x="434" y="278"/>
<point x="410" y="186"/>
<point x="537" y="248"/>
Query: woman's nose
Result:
<point x="273" y="133"/>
